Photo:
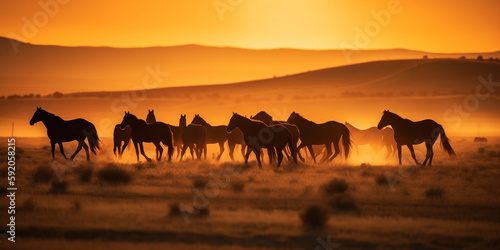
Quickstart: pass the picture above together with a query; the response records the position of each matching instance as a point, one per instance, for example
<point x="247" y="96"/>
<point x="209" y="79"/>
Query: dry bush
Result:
<point x="29" y="205"/>
<point x="175" y="210"/>
<point x="314" y="217"/>
<point x="85" y="173"/>
<point x="434" y="193"/>
<point x="58" y="187"/>
<point x="202" y="212"/>
<point x="199" y="183"/>
<point x="343" y="203"/>
<point x="112" y="174"/>
<point x="336" y="185"/>
<point x="238" y="186"/>
<point x="76" y="206"/>
<point x="43" y="174"/>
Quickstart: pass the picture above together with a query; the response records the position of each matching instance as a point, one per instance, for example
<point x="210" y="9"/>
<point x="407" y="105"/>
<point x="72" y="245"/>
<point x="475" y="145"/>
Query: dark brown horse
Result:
<point x="194" y="137"/>
<point x="155" y="132"/>
<point x="324" y="133"/>
<point x="258" y="135"/>
<point x="374" y="137"/>
<point x="215" y="134"/>
<point x="409" y="133"/>
<point x="268" y="120"/>
<point x="121" y="135"/>
<point x="60" y="131"/>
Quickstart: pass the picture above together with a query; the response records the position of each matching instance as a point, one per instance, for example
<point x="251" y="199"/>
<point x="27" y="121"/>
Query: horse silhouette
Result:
<point x="215" y="134"/>
<point x="325" y="133"/>
<point x="194" y="137"/>
<point x="121" y="135"/>
<point x="258" y="135"/>
<point x="151" y="116"/>
<point x="143" y="132"/>
<point x="294" y="130"/>
<point x="374" y="137"/>
<point x="235" y="137"/>
<point x="59" y="131"/>
<point x="409" y="133"/>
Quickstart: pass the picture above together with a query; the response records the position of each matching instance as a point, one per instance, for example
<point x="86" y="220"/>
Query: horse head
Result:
<point x="127" y="119"/>
<point x="37" y="116"/>
<point x="385" y="120"/>
<point x="182" y="121"/>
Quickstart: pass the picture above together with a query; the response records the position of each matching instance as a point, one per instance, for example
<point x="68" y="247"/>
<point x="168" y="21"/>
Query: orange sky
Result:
<point x="435" y="26"/>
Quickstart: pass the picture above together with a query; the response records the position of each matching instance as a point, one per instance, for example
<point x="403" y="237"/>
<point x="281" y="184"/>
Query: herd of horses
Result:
<point x="255" y="134"/>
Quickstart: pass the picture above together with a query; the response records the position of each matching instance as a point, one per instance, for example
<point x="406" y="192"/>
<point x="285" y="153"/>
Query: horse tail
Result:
<point x="293" y="147"/>
<point x="169" y="141"/>
<point x="346" y="140"/>
<point x="92" y="138"/>
<point x="445" y="142"/>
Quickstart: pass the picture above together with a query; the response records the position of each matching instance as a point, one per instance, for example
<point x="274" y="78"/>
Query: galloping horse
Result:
<point x="258" y="135"/>
<point x="60" y="131"/>
<point x="373" y="137"/>
<point x="407" y="132"/>
<point x="194" y="137"/>
<point x="325" y="133"/>
<point x="215" y="134"/>
<point x="268" y="120"/>
<point x="121" y="135"/>
<point x="155" y="132"/>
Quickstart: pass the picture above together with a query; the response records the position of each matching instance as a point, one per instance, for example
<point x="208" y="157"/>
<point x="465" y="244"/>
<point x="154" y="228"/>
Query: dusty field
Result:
<point x="228" y="205"/>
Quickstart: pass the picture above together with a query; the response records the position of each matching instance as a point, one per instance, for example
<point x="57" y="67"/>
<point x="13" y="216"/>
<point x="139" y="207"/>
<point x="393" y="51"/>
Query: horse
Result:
<point x="373" y="137"/>
<point x="235" y="137"/>
<point x="258" y="135"/>
<point x="325" y="133"/>
<point x="409" y="133"/>
<point x="143" y="132"/>
<point x="215" y="134"/>
<point x="194" y="137"/>
<point x="268" y="120"/>
<point x="121" y="135"/>
<point x="59" y="131"/>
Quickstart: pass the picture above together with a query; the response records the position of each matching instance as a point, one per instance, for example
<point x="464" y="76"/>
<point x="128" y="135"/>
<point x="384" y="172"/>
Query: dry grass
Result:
<point x="43" y="174"/>
<point x="58" y="187"/>
<point x="343" y="203"/>
<point x="335" y="186"/>
<point x="114" y="175"/>
<point x="434" y="193"/>
<point x="314" y="217"/>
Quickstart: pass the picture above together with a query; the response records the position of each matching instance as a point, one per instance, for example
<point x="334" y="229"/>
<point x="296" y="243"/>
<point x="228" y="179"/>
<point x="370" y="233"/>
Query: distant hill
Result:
<point x="43" y="69"/>
<point x="417" y="77"/>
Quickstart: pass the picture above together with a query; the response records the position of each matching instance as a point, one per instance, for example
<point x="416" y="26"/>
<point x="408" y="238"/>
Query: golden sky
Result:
<point x="429" y="25"/>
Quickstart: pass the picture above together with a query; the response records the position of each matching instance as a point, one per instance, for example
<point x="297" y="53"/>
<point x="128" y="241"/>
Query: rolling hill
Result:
<point x="43" y="69"/>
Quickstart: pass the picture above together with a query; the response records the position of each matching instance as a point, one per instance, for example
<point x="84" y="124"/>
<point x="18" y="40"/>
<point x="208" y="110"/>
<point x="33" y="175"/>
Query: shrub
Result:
<point x="175" y="210"/>
<point x="76" y="206"/>
<point x="202" y="212"/>
<point x="43" y="174"/>
<point x="336" y="186"/>
<point x="112" y="174"/>
<point x="199" y="183"/>
<point x="238" y="187"/>
<point x="58" y="187"/>
<point x="434" y="193"/>
<point x="29" y="205"/>
<point x="381" y="180"/>
<point x="314" y="217"/>
<point x="85" y="173"/>
<point x="344" y="203"/>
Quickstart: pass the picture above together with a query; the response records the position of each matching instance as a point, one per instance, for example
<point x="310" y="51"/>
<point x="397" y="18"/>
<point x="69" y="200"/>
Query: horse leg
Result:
<point x="86" y="148"/>
<point x="270" y="152"/>
<point x="257" y="155"/>
<point x="191" y="146"/>
<point x="125" y="144"/>
<point x="311" y="150"/>
<point x="141" y="146"/>
<point x="337" y="151"/>
<point x="243" y="146"/>
<point x="249" y="150"/>
<point x="116" y="146"/>
<point x="429" y="154"/>
<point x="158" y="149"/>
<point x="184" y="147"/>
<point x="280" y="155"/>
<point x="231" y="150"/>
<point x="62" y="150"/>
<point x="53" y="148"/>
<point x="300" y="156"/>
<point x="76" y="151"/>
<point x="221" y="146"/>
<point x="399" y="153"/>
<point x="328" y="147"/>
<point x="412" y="151"/>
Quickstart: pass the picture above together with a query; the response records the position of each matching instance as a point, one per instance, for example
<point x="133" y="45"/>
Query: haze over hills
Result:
<point x="42" y="69"/>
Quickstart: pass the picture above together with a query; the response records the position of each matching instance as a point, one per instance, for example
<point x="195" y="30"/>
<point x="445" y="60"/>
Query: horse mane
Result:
<point x="52" y="115"/>
<point x="203" y="120"/>
<point x="301" y="118"/>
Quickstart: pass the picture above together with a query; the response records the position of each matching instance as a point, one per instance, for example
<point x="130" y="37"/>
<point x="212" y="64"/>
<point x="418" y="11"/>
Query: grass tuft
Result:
<point x="43" y="174"/>
<point x="58" y="187"/>
<point x="112" y="174"/>
<point x="314" y="217"/>
<point x="343" y="203"/>
<point x="434" y="193"/>
<point x="336" y="185"/>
